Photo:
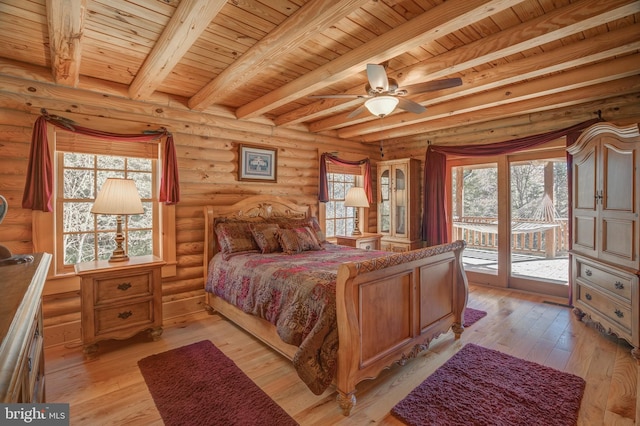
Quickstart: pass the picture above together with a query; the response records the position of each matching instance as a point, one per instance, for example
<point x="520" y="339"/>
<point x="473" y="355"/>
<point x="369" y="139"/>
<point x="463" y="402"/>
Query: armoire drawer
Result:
<point x="618" y="313"/>
<point x="616" y="282"/>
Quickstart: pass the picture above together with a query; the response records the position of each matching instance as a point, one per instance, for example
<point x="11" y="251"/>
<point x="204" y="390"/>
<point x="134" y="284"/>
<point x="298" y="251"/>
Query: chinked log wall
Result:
<point x="206" y="145"/>
<point x="207" y="156"/>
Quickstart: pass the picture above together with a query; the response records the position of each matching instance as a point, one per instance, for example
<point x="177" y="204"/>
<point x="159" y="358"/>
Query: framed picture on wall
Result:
<point x="257" y="163"/>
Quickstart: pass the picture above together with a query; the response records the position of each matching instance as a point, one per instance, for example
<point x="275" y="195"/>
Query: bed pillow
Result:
<point x="235" y="237"/>
<point x="297" y="240"/>
<point x="266" y="236"/>
<point x="311" y="222"/>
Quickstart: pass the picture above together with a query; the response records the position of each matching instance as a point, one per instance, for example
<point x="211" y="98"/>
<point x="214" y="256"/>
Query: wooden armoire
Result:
<point x="606" y="234"/>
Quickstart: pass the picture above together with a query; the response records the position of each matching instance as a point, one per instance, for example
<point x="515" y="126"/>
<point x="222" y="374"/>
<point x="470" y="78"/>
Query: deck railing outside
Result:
<point x="548" y="240"/>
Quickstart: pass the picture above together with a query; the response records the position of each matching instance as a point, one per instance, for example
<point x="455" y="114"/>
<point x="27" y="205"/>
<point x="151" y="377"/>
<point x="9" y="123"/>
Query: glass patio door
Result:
<point x="539" y="225"/>
<point x="512" y="213"/>
<point x="474" y="216"/>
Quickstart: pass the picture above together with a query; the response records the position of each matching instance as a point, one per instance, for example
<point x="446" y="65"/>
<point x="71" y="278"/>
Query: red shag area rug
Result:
<point x="480" y="386"/>
<point x="199" y="385"/>
<point x="471" y="316"/>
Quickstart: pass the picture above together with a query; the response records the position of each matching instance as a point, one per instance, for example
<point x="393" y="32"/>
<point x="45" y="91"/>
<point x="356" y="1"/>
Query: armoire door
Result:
<point x="618" y="202"/>
<point x="585" y="207"/>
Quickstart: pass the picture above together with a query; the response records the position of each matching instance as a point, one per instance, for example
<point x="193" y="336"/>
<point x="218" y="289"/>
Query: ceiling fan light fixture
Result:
<point x="381" y="105"/>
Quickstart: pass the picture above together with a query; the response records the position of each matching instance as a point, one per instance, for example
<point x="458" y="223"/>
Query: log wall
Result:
<point x="206" y="144"/>
<point x="207" y="150"/>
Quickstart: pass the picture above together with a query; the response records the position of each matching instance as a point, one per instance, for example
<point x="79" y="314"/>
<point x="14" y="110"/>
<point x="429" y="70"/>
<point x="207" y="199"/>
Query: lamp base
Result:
<point x="118" y="258"/>
<point x="356" y="226"/>
<point x="119" y="255"/>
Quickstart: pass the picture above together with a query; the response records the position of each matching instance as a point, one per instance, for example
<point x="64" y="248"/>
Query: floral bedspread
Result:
<point x="296" y="293"/>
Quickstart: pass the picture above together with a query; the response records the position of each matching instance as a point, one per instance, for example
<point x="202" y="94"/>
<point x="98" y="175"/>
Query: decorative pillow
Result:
<point x="235" y="237"/>
<point x="311" y="222"/>
<point x="297" y="240"/>
<point x="266" y="236"/>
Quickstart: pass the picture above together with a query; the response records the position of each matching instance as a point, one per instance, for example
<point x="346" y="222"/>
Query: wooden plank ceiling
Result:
<point x="264" y="58"/>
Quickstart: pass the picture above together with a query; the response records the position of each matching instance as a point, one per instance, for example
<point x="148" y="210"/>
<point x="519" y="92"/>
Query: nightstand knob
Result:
<point x="619" y="285"/>
<point x="587" y="296"/>
<point x="124" y="286"/>
<point x="588" y="272"/>
<point x="618" y="313"/>
<point x="125" y="315"/>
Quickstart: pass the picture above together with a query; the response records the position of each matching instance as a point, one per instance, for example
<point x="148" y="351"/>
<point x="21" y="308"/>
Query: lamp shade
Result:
<point x="356" y="197"/>
<point x="381" y="105"/>
<point x="118" y="197"/>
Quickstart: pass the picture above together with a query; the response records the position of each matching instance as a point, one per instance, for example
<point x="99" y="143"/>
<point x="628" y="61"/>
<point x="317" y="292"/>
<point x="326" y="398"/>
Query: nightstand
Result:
<point x="120" y="299"/>
<point x="365" y="241"/>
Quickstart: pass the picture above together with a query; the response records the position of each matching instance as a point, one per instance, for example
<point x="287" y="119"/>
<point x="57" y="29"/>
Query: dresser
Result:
<point x="120" y="299"/>
<point x="22" y="350"/>
<point x="606" y="229"/>
<point x="366" y="241"/>
<point x="399" y="204"/>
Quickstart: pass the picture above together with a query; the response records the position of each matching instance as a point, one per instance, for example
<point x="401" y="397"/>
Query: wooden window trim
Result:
<point x="43" y="223"/>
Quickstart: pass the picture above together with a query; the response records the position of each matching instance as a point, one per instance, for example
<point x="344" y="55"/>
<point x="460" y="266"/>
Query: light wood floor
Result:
<point x="111" y="391"/>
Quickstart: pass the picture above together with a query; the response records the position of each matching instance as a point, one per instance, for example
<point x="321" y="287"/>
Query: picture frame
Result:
<point x="257" y="163"/>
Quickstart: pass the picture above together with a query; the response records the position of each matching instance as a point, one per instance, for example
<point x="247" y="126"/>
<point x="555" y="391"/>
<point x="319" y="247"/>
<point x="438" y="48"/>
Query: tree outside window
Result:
<point x="86" y="236"/>
<point x="339" y="220"/>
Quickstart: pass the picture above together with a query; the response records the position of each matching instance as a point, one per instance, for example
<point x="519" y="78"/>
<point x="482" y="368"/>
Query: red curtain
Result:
<point x="434" y="213"/>
<point x="38" y="190"/>
<point x="323" y="193"/>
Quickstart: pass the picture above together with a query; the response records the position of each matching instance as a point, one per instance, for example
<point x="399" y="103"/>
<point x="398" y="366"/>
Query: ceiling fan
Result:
<point x="384" y="94"/>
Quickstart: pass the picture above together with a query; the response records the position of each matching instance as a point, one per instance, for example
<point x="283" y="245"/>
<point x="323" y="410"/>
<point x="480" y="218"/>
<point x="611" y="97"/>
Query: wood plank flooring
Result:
<point x="111" y="391"/>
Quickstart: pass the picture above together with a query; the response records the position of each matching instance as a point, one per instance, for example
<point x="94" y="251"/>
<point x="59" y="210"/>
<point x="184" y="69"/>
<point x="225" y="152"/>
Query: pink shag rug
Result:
<point x="471" y="316"/>
<point x="199" y="385"/>
<point x="480" y="386"/>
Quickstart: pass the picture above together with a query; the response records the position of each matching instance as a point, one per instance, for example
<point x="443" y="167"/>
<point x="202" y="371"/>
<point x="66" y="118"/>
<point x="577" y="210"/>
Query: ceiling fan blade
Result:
<point x="338" y="96"/>
<point x="431" y="86"/>
<point x="356" y="112"/>
<point x="409" y="105"/>
<point x="377" y="78"/>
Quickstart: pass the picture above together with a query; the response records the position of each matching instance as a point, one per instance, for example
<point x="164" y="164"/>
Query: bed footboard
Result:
<point x="390" y="308"/>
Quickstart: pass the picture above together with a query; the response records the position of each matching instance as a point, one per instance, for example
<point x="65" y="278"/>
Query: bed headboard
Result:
<point x="258" y="208"/>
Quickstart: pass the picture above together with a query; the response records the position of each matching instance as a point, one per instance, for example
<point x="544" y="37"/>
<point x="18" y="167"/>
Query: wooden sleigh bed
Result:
<point x="387" y="308"/>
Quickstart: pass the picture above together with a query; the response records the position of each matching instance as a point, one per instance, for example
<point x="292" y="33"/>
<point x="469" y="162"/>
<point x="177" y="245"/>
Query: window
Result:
<point x="339" y="220"/>
<point x="83" y="164"/>
<point x="86" y="236"/>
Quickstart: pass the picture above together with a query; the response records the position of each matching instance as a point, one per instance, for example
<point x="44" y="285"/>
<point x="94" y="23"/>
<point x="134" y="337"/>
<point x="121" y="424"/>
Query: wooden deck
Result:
<point x="556" y="269"/>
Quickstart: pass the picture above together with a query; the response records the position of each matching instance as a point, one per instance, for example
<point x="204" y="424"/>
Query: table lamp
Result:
<point x="118" y="197"/>
<point x="356" y="197"/>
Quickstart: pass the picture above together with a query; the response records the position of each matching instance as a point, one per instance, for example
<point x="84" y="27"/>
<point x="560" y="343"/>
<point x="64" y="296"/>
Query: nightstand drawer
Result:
<point x="616" y="282"/>
<point x="116" y="318"/>
<point x="126" y="287"/>
<point x="368" y="244"/>
<point x="365" y="241"/>
<point x="615" y="312"/>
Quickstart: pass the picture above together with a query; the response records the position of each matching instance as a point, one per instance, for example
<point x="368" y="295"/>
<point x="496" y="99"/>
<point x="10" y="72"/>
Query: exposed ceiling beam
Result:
<point x="435" y="23"/>
<point x="305" y="23"/>
<point x="188" y="22"/>
<point x="575" y="96"/>
<point x="598" y="48"/>
<point x="553" y="26"/>
<point x="65" y="19"/>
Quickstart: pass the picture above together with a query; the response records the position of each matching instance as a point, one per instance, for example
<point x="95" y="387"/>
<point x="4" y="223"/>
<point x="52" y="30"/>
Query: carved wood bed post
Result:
<point x="462" y="288"/>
